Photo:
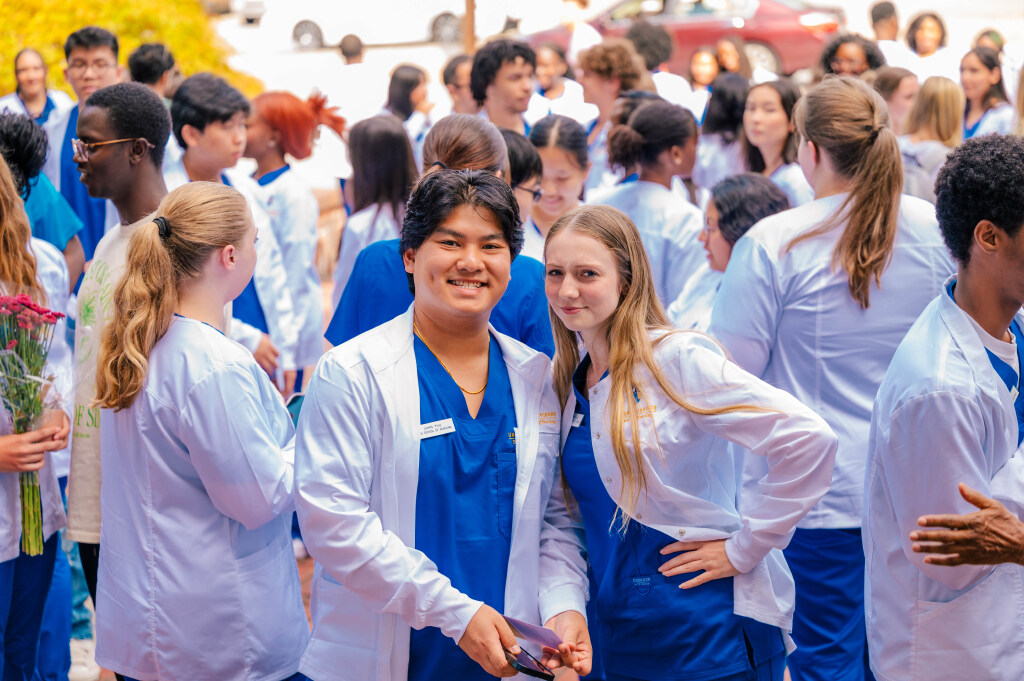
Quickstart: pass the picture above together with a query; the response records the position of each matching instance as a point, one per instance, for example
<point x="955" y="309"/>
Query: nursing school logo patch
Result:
<point x="642" y="585"/>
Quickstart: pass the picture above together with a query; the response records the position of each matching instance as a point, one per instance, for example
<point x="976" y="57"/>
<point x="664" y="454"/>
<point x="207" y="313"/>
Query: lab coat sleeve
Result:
<point x="280" y="303"/>
<point x="235" y="447"/>
<point x="797" y="444"/>
<point x="297" y="239"/>
<point x="932" y="445"/>
<point x="563" y="570"/>
<point x="338" y="439"/>
<point x="682" y="253"/>
<point x="748" y="306"/>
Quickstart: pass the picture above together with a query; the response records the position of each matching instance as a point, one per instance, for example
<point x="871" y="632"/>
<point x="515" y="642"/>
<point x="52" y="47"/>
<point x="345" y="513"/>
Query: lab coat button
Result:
<point x="682" y="533"/>
<point x="607" y="479"/>
<point x="639" y="516"/>
<point x="598" y="436"/>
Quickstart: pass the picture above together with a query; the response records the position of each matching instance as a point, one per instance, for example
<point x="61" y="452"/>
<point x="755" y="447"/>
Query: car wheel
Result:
<point x="308" y="35"/>
<point x="764" y="56"/>
<point x="447" y="28"/>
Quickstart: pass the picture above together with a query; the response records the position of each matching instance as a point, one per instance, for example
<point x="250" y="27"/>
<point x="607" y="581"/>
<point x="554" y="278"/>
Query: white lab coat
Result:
<point x="942" y="416"/>
<point x="788" y="317"/>
<point x="570" y="104"/>
<point x="198" y="578"/>
<point x="52" y="274"/>
<point x="533" y="241"/>
<point x="717" y="160"/>
<point x="669" y="226"/>
<point x="293" y="212"/>
<point x="356" y="465"/>
<point x="601" y="175"/>
<point x="270" y="276"/>
<point x="789" y="177"/>
<point x="12" y="103"/>
<point x="372" y="224"/>
<point x="998" y="120"/>
<point x="692" y="309"/>
<point x="691" y="470"/>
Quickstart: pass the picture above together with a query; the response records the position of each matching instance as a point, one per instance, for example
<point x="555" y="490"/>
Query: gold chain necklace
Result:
<point x="419" y="335"/>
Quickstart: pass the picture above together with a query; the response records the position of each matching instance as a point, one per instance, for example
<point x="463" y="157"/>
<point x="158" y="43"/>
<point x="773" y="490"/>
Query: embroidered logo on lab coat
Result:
<point x="547" y="418"/>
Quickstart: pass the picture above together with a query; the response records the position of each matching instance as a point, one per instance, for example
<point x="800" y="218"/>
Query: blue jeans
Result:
<point x="24" y="584"/>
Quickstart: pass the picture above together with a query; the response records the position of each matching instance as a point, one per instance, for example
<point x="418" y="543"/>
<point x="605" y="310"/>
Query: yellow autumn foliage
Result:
<point x="181" y="25"/>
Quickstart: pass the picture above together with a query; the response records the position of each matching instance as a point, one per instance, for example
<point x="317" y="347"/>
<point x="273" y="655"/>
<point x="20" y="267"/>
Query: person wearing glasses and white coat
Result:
<point x="430" y="506"/>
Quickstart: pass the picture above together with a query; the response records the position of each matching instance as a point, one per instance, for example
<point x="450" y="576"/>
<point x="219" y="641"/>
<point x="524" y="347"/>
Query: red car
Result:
<point x="781" y="35"/>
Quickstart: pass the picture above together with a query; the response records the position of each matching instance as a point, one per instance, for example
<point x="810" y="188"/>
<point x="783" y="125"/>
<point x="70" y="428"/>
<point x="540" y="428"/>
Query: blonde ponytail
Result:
<point x="196" y="220"/>
<point x="849" y="120"/>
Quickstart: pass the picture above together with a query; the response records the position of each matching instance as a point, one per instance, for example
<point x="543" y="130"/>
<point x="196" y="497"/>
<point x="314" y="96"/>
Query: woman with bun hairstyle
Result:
<point x="197" y="579"/>
<point x="769" y="138"/>
<point x="803" y="291"/>
<point x="661" y="140"/>
<point x="282" y="127"/>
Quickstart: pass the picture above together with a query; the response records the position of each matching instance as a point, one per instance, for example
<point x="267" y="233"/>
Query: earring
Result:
<point x="271" y="143"/>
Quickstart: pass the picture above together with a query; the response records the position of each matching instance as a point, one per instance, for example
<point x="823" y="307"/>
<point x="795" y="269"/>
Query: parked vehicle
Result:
<point x="781" y="35"/>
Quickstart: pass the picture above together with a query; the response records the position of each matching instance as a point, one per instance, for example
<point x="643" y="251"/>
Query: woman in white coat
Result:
<point x="815" y="301"/>
<point x="646" y="423"/>
<point x="770" y="139"/>
<point x="280" y="123"/>
<point x="661" y="140"/>
<point x="197" y="579"/>
<point x="425" y="461"/>
<point x="988" y="109"/>
<point x="949" y="411"/>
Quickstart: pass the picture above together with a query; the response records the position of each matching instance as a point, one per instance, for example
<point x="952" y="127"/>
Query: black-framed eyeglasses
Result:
<point x="83" y="149"/>
<point x="537" y="193"/>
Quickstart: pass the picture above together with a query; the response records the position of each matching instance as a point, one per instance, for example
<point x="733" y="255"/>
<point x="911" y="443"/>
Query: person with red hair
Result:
<point x="281" y="127"/>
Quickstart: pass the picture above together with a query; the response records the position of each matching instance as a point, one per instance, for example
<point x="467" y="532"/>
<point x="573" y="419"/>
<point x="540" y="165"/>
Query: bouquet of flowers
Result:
<point x="26" y="331"/>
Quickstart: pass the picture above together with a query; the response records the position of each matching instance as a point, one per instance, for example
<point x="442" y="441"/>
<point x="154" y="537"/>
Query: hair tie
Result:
<point x="163" y="227"/>
<point x="439" y="163"/>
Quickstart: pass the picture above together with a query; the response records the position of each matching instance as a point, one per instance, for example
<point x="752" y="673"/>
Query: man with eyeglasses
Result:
<point x="91" y="55"/>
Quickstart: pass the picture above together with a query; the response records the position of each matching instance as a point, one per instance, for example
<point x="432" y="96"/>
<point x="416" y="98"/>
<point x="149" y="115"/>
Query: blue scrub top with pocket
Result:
<point x="648" y="627"/>
<point x="464" y="502"/>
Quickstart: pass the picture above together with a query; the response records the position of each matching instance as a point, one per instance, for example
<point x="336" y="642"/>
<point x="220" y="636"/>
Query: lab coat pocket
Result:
<point x="344" y="629"/>
<point x="978" y="630"/>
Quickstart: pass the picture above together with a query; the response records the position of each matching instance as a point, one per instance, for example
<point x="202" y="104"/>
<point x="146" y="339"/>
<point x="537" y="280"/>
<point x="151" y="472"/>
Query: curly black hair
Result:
<point x="134" y="111"/>
<point x="490" y="58"/>
<point x="653" y="43"/>
<point x="871" y="51"/>
<point x="983" y="179"/>
<point x="23" y="146"/>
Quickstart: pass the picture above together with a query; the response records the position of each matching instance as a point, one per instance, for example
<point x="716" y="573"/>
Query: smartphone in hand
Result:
<point x="527" y="664"/>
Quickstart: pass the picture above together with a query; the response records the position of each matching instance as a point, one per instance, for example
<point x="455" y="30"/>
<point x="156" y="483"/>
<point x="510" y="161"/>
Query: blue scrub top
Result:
<point x="92" y="212"/>
<point x="247" y="306"/>
<point x="648" y="627"/>
<point x="378" y="291"/>
<point x="49" y="213"/>
<point x="273" y="175"/>
<point x="464" y="502"/>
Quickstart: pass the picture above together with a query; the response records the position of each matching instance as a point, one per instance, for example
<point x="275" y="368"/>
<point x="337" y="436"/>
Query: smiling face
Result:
<point x="562" y="183"/>
<point x="581" y="281"/>
<point x="765" y="122"/>
<point x="928" y="37"/>
<point x="976" y="78"/>
<point x="849" y="60"/>
<point x="107" y="166"/>
<point x="463" y="268"/>
<point x="30" y="73"/>
<point x="703" y="69"/>
<point x="550" y="67"/>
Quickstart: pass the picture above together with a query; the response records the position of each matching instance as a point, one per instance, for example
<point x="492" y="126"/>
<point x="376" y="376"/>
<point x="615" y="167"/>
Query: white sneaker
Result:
<point x="83" y="660"/>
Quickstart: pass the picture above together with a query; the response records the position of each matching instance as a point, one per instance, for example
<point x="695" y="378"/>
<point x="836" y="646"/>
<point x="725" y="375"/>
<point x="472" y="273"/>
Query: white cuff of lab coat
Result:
<point x="452" y="612"/>
<point x="561" y="599"/>
<point x="744" y="551"/>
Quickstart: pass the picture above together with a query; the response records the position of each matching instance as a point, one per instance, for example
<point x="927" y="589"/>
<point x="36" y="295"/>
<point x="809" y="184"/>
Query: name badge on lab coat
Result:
<point x="436" y="428"/>
<point x="577" y="420"/>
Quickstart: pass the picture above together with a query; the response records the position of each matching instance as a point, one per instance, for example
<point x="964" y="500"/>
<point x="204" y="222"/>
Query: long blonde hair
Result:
<point x="938" y="110"/>
<point x="203" y="217"/>
<point x="628" y="332"/>
<point x="17" y="264"/>
<point x="847" y="118"/>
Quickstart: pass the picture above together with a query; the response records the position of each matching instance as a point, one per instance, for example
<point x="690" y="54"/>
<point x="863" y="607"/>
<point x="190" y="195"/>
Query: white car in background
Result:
<point x="313" y="24"/>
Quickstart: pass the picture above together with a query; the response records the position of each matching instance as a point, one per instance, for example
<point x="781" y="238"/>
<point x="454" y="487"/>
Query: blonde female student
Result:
<point x="687" y="587"/>
<point x="814" y="301"/>
<point x="197" y="579"/>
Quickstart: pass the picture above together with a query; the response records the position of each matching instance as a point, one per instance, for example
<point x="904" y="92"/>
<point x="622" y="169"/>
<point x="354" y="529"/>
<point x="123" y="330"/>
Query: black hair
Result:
<point x="880" y="11"/>
<point x="631" y="101"/>
<point x="523" y="159"/>
<point x="724" y="115"/>
<point x="789" y="94"/>
<point x="741" y="47"/>
<point x="404" y="80"/>
<point x="652" y="129"/>
<point x="744" y="200"/>
<point x="448" y="74"/>
<point x="350" y="46"/>
<point x="203" y="99"/>
<point x="915" y="24"/>
<point x="134" y="111"/>
<point x="652" y="43"/>
<point x="90" y="37"/>
<point x="439" y="194"/>
<point x="872" y="54"/>
<point x="383" y="168"/>
<point x="989" y="58"/>
<point x="150" y="62"/>
<point x="564" y="133"/>
<point x="983" y="179"/>
<point x="490" y="58"/>
<point x="23" y="146"/>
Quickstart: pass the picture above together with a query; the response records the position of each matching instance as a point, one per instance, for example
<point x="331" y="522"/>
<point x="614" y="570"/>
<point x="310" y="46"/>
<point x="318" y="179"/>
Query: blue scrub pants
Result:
<point x="771" y="669"/>
<point x="828" y="625"/>
<point x="24" y="583"/>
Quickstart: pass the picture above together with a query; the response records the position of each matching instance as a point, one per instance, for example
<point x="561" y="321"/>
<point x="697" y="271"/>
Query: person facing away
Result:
<point x="949" y="411"/>
<point x="197" y="492"/>
<point x="425" y="467"/>
<point x="815" y="300"/>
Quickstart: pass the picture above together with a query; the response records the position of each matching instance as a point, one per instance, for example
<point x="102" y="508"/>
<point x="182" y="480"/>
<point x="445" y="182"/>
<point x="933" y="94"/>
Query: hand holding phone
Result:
<point x="527" y="664"/>
<point x="487" y="640"/>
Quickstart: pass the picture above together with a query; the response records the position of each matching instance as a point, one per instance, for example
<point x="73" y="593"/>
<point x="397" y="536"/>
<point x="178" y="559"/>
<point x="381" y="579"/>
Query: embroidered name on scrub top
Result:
<point x="464" y="501"/>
